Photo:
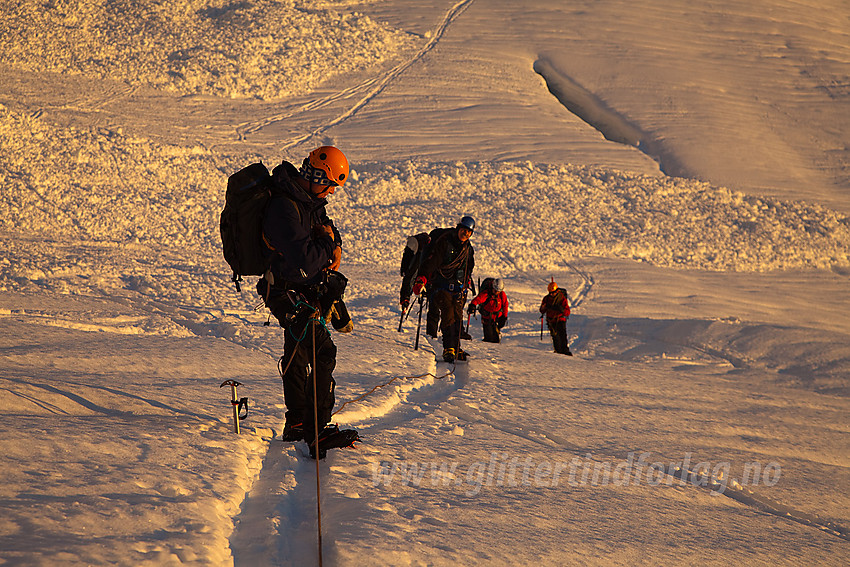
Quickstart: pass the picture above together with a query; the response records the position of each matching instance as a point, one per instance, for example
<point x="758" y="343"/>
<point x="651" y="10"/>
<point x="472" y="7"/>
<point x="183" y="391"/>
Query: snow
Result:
<point x="704" y="416"/>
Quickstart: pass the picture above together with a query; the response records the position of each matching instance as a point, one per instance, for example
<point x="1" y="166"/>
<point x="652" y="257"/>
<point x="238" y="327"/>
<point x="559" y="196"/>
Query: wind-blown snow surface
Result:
<point x="710" y="323"/>
<point x="261" y="49"/>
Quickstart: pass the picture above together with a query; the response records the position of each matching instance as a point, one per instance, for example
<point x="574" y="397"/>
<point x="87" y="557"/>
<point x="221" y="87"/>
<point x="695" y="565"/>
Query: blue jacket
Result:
<point x="299" y="252"/>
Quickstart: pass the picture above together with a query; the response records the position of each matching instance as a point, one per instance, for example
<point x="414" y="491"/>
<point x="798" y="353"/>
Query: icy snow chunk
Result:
<point x="264" y="49"/>
<point x="536" y="216"/>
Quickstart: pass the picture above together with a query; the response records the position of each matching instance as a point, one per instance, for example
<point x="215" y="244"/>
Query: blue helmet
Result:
<point x="467" y="222"/>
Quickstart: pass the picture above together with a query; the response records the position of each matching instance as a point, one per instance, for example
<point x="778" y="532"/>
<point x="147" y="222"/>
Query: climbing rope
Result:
<point x="282" y="370"/>
<point x="385" y="384"/>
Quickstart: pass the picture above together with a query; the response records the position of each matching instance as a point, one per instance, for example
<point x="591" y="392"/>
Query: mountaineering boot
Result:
<point x="332" y="437"/>
<point x="292" y="432"/>
<point x="460" y="355"/>
<point x="449" y="355"/>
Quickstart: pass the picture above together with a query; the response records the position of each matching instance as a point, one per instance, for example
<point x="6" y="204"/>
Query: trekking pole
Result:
<point x="541" y="327"/>
<point x="419" y="324"/>
<point x="467" y="282"/>
<point x="401" y="319"/>
<point x="566" y="326"/>
<point x="405" y="311"/>
<point x="316" y="427"/>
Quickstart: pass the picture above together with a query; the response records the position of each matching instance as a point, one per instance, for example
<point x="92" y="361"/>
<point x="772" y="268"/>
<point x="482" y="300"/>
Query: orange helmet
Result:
<point x="326" y="165"/>
<point x="552" y="285"/>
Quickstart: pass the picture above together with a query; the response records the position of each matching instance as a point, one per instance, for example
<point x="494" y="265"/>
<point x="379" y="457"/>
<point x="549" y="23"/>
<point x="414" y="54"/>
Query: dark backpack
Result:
<point x="487" y="285"/>
<point x="248" y="193"/>
<point x="433" y="236"/>
<point x="411" y="260"/>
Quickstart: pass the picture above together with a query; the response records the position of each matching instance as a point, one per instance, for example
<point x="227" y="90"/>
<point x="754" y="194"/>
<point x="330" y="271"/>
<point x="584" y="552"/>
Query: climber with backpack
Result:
<point x="301" y="250"/>
<point x="492" y="303"/>
<point x="556" y="308"/>
<point x="446" y="270"/>
<point x="417" y="248"/>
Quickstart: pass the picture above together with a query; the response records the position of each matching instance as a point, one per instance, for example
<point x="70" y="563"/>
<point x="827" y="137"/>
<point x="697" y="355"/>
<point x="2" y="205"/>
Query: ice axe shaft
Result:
<point x="236" y="403"/>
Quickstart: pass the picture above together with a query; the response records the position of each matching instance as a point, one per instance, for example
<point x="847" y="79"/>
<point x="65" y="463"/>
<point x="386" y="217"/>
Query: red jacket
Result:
<point x="556" y="306"/>
<point x="493" y="306"/>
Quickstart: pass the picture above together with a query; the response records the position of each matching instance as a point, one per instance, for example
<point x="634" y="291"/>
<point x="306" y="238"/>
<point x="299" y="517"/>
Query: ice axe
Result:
<point x="236" y="402"/>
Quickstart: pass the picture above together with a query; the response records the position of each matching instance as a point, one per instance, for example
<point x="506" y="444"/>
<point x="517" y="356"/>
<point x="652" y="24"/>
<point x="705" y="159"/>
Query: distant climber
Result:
<point x="556" y="308"/>
<point x="492" y="303"/>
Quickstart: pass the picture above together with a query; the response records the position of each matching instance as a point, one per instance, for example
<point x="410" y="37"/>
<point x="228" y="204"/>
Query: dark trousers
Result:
<point x="298" y="378"/>
<point x="450" y="308"/>
<point x="297" y="360"/>
<point x="432" y="319"/>
<point x="492" y="334"/>
<point x="558" y="330"/>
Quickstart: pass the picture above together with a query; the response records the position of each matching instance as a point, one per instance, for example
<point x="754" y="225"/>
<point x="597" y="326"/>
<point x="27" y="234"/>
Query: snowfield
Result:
<point x="264" y="49"/>
<point x="707" y="254"/>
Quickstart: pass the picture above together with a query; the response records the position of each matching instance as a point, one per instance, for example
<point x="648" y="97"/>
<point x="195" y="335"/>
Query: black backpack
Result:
<point x="248" y="193"/>
<point x="433" y="236"/>
<point x="487" y="285"/>
<point x="411" y="260"/>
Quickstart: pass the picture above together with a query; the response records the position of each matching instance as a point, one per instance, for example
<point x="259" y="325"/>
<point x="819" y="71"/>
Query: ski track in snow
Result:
<point x="264" y="533"/>
<point x="285" y="487"/>
<point x="690" y="477"/>
<point x="373" y="87"/>
<point x="584" y="289"/>
<point x="731" y="488"/>
<point x="734" y="491"/>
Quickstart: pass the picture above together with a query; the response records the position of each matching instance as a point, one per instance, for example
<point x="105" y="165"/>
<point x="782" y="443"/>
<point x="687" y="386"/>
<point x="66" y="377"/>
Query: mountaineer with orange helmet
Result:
<point x="302" y="286"/>
<point x="556" y="308"/>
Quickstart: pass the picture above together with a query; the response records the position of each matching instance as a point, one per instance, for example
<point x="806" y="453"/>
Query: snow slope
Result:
<point x="711" y="310"/>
